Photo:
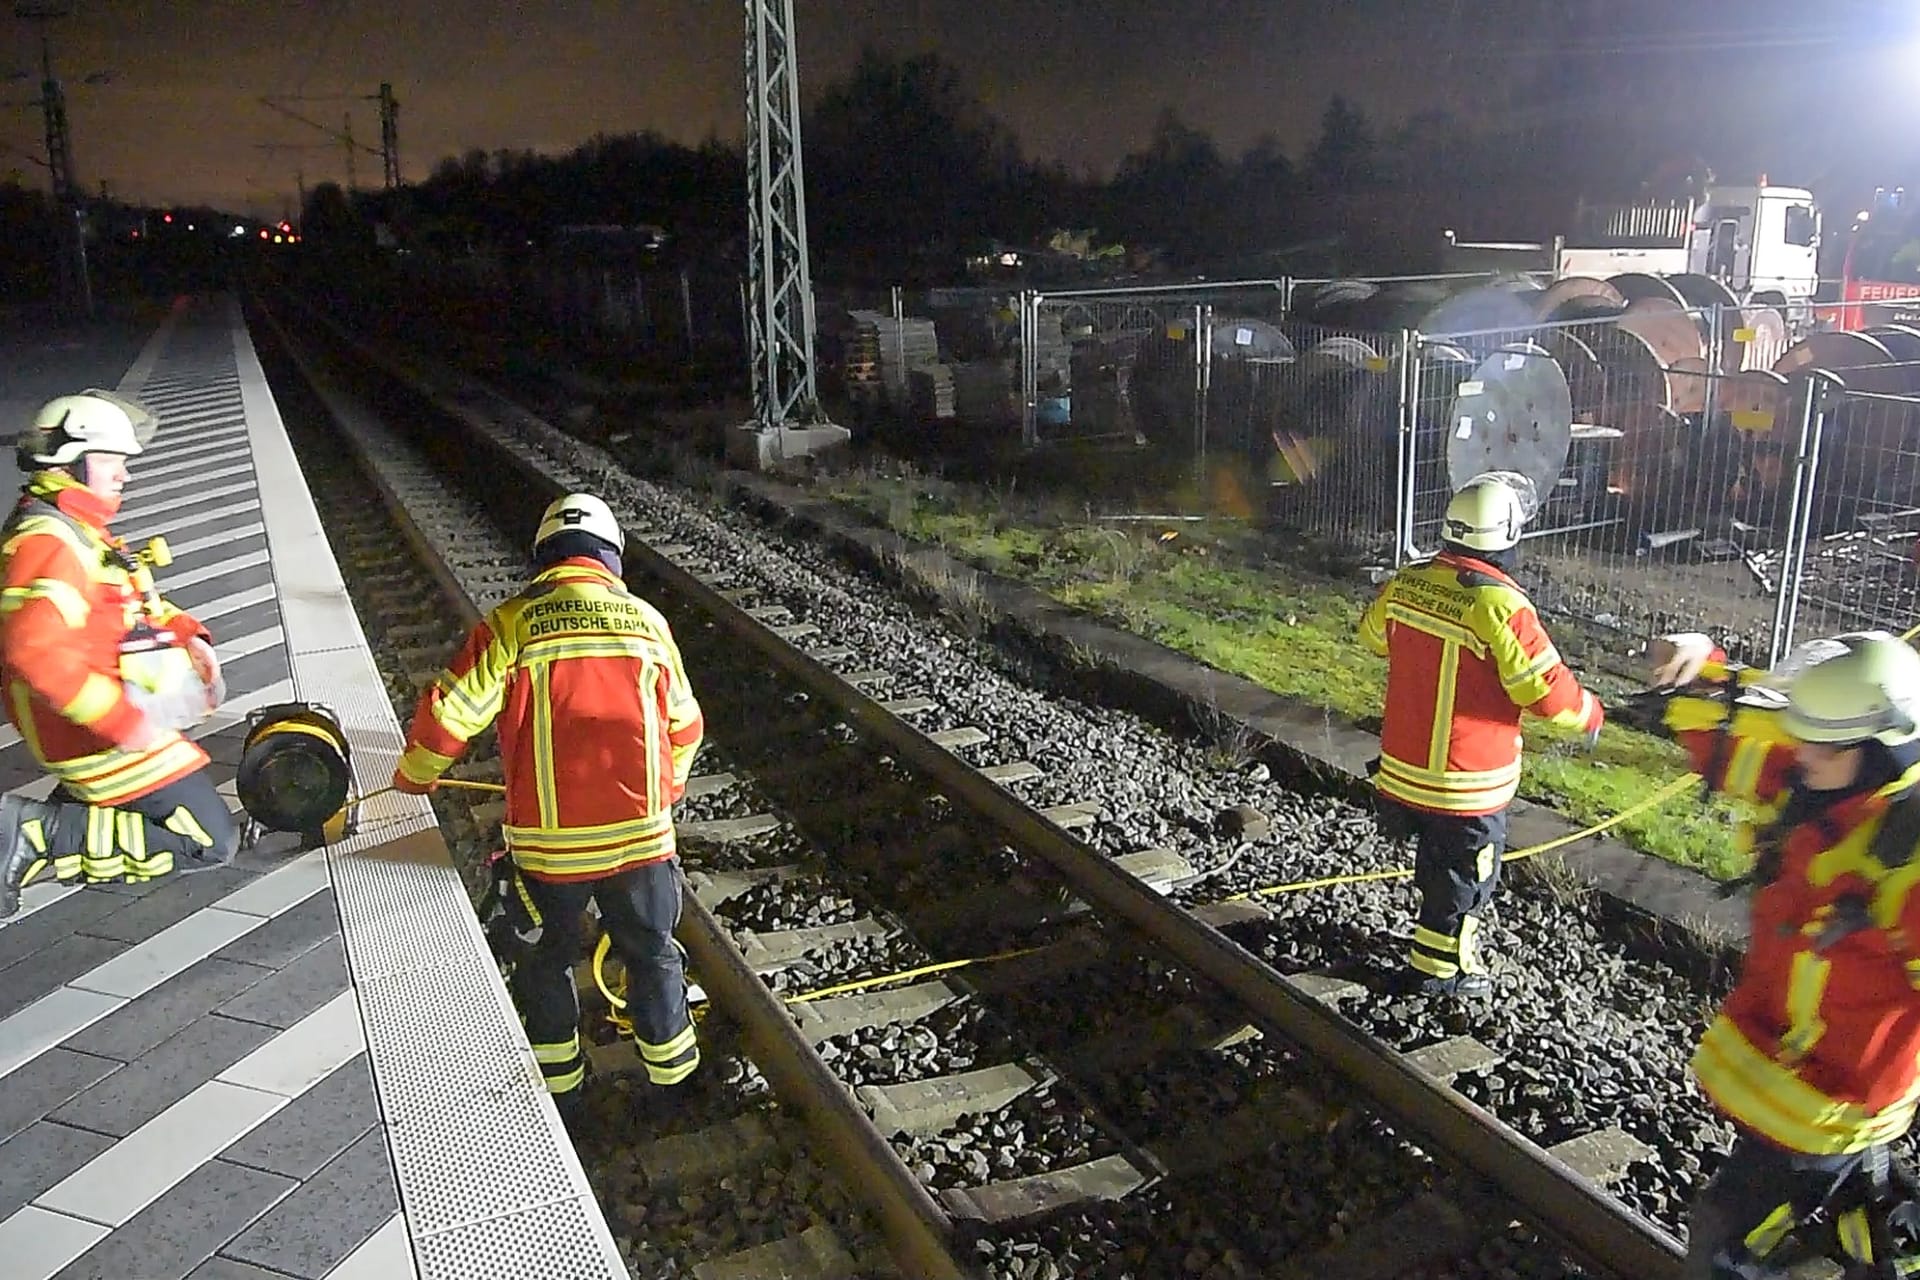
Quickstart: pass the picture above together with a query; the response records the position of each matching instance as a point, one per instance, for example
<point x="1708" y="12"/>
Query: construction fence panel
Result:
<point x="1122" y="369"/>
<point x="1862" y="507"/>
<point x="1308" y="419"/>
<point x="1131" y="364"/>
<point x="1663" y="472"/>
<point x="928" y="357"/>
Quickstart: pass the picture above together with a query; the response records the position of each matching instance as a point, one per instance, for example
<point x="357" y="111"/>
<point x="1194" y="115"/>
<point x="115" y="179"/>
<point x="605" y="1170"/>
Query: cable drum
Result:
<point x="295" y="771"/>
<point x="1515" y="414"/>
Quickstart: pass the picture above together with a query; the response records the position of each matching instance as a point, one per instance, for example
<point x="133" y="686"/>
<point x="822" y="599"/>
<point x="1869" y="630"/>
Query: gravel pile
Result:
<point x="939" y="1044"/>
<point x="800" y="902"/>
<point x="1042" y="1131"/>
<point x="848" y="960"/>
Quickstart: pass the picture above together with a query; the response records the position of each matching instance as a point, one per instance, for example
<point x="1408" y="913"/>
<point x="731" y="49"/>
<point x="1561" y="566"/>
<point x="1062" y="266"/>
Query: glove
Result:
<point x="1592" y="735"/>
<point x="207" y="663"/>
<point x="407" y="786"/>
<point x="1675" y="661"/>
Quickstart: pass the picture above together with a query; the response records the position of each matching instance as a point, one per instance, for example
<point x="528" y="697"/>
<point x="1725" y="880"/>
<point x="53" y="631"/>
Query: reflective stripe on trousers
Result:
<point x="639" y="908"/>
<point x="186" y="820"/>
<point x="1763" y="1192"/>
<point x="1456" y="869"/>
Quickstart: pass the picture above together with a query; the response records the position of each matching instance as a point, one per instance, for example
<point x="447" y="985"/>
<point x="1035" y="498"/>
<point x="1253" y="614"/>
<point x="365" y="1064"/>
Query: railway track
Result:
<point x="1031" y="1054"/>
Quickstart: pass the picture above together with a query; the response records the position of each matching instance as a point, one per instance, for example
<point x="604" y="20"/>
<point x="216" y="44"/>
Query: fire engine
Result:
<point x="1880" y="275"/>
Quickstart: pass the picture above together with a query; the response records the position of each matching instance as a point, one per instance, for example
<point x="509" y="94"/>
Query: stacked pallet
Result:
<point x="932" y="392"/>
<point x="886" y="352"/>
<point x="1053" y="354"/>
<point x="865" y="386"/>
<point x="983" y="392"/>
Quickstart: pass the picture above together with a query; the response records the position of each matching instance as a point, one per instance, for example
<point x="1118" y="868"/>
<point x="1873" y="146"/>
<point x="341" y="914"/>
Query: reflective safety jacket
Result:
<point x="598" y="725"/>
<point x="1465" y="654"/>
<point x="72" y="594"/>
<point x="1818" y="1047"/>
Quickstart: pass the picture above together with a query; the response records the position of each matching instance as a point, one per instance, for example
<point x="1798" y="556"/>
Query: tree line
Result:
<point x="908" y="174"/>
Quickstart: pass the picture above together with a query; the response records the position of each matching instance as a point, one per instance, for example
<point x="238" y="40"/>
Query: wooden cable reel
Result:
<point x="1514" y="414"/>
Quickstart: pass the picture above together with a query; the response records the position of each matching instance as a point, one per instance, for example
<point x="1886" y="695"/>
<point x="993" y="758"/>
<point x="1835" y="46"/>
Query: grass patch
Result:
<point x="1219" y="594"/>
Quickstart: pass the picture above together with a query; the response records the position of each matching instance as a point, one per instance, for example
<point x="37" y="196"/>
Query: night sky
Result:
<point x="1819" y="91"/>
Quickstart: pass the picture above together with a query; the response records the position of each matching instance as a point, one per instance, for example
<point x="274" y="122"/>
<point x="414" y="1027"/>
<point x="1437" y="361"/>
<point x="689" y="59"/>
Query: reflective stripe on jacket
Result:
<point x="69" y="597"/>
<point x="598" y="725"/>
<point x="1818" y="1047"/>
<point x="1465" y="653"/>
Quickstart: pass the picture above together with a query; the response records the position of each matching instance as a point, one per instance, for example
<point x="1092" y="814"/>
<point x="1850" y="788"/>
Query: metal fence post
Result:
<point x="1029" y="368"/>
<point x="1716" y="356"/>
<point x="904" y="409"/>
<point x="1403" y="482"/>
<point x="1202" y="382"/>
<point x="1806" y="475"/>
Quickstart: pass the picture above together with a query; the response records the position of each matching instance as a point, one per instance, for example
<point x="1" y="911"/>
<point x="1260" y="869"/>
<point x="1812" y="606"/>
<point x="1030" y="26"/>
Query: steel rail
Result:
<point x="1553" y="1198"/>
<point x="918" y="1231"/>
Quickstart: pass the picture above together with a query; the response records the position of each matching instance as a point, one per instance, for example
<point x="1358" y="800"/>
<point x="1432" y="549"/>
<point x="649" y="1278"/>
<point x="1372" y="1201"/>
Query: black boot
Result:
<point x="20" y="858"/>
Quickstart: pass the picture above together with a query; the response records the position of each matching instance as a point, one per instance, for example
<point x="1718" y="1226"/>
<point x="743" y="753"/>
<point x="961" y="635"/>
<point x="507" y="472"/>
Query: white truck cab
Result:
<point x="1761" y="241"/>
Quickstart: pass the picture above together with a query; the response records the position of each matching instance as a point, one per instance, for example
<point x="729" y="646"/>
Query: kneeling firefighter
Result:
<point x="598" y="729"/>
<point x="100" y="673"/>
<point x="1815" y="1056"/>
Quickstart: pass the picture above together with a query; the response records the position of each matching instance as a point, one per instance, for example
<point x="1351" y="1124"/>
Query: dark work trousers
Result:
<point x="1763" y="1192"/>
<point x="184" y="826"/>
<point x="639" y="909"/>
<point x="1456" y="869"/>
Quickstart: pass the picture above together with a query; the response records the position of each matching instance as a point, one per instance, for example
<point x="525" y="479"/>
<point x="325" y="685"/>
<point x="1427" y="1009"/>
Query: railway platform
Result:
<point x="305" y="1064"/>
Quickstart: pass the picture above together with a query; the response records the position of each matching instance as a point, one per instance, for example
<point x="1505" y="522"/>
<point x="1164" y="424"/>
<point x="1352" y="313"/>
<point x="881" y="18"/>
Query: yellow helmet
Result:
<point x="94" y="421"/>
<point x="1486" y="515"/>
<point x="1869" y="688"/>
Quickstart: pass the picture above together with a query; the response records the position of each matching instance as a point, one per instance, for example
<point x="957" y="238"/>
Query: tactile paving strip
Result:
<point x="437" y="1024"/>
<point x="484" y="1137"/>
<point x="566" y="1241"/>
<point x="488" y="1181"/>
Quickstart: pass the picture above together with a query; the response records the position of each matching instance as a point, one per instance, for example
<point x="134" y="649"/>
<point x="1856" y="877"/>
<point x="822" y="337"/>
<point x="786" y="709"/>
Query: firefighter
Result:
<point x="100" y="673"/>
<point x="598" y="730"/>
<point x="1815" y="1056"/>
<point x="1466" y="654"/>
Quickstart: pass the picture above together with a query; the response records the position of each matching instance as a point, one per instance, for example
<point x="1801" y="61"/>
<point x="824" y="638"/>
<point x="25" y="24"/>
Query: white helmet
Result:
<point x="581" y="513"/>
<point x="1869" y="688"/>
<point x="69" y="427"/>
<point x="1485" y="515"/>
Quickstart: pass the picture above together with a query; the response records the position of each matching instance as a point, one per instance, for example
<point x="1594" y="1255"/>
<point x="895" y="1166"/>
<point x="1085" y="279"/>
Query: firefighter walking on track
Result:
<point x="1815" y="1056"/>
<point x="1466" y="654"/>
<point x="598" y="729"/>
<point x="100" y="672"/>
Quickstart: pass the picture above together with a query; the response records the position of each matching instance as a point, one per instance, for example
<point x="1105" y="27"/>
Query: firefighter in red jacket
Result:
<point x="1815" y="1056"/>
<point x="99" y="672"/>
<point x="598" y="729"/>
<point x="1466" y="654"/>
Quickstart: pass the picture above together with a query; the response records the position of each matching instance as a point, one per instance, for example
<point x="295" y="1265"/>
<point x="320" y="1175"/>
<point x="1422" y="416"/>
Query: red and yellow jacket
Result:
<point x="1465" y="654"/>
<point x="598" y="725"/>
<point x="69" y="598"/>
<point x="1818" y="1047"/>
